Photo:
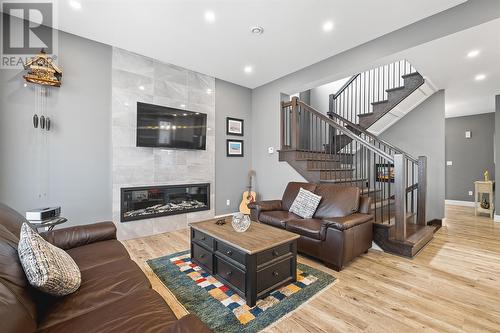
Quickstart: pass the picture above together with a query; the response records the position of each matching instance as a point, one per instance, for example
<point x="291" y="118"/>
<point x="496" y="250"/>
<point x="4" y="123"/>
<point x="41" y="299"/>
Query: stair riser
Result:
<point x="343" y="158"/>
<point x="324" y="165"/>
<point x="357" y="183"/>
<point x="331" y="175"/>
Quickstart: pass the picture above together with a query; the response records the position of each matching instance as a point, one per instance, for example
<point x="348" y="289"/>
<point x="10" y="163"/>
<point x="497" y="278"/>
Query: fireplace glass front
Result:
<point x="153" y="201"/>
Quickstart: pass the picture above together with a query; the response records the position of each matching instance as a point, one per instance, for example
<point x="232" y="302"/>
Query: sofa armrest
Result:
<point x="365" y="205"/>
<point x="262" y="206"/>
<point x="72" y="237"/>
<point x="188" y="324"/>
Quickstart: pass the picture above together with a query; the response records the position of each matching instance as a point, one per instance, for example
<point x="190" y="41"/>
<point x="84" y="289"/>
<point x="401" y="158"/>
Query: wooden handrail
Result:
<point x="347" y="84"/>
<point x="346" y="131"/>
<point x="372" y="136"/>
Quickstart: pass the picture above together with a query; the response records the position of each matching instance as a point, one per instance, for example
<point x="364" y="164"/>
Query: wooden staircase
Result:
<point x="334" y="149"/>
<point x="395" y="96"/>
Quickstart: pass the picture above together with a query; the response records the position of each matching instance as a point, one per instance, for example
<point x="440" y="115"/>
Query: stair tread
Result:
<point x="411" y="74"/>
<point x="368" y="114"/>
<point x="416" y="233"/>
<point x="395" y="89"/>
<point x="344" y="180"/>
<point x="380" y="102"/>
<point x="330" y="169"/>
<point x="370" y="190"/>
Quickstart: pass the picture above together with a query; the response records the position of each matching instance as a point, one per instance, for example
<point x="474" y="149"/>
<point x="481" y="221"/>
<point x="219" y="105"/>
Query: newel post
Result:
<point x="400" y="196"/>
<point x="294" y="128"/>
<point x="422" y="190"/>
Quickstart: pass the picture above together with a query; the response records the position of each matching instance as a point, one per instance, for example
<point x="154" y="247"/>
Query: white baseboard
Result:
<point x="496" y="218"/>
<point x="459" y="203"/>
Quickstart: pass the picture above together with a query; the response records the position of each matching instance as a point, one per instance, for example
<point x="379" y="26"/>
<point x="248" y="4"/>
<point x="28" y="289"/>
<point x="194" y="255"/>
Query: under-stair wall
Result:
<point x="422" y="132"/>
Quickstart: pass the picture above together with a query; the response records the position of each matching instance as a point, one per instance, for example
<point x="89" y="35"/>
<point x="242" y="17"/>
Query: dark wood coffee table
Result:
<point x="252" y="263"/>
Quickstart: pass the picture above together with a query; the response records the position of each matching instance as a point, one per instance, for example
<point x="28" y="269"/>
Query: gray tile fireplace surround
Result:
<point x="135" y="79"/>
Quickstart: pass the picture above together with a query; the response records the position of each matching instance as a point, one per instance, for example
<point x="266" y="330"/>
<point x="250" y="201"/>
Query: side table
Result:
<point x="49" y="223"/>
<point x="484" y="187"/>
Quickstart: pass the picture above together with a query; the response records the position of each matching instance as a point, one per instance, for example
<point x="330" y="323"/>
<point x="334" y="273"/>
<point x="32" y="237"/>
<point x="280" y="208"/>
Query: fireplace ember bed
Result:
<point x="147" y="202"/>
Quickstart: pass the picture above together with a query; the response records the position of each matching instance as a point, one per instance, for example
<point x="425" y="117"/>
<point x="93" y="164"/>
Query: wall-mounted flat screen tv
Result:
<point x="165" y="127"/>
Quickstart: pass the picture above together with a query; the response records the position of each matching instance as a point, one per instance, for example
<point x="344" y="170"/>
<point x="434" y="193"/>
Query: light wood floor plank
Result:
<point x="453" y="285"/>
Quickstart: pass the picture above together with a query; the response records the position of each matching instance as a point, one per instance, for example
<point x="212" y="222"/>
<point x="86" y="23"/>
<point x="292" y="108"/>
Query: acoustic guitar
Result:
<point x="248" y="196"/>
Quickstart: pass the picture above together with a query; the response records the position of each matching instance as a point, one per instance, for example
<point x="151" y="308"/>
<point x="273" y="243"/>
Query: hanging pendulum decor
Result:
<point x="43" y="73"/>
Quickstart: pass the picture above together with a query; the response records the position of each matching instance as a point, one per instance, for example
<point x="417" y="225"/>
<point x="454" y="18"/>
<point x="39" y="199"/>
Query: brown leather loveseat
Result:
<point x="114" y="296"/>
<point x="340" y="230"/>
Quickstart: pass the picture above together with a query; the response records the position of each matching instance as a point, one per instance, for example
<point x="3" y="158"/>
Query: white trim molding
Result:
<point x="459" y="203"/>
<point x="496" y="218"/>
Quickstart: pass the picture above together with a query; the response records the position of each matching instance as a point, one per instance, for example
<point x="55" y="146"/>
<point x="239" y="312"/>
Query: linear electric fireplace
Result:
<point x="146" y="202"/>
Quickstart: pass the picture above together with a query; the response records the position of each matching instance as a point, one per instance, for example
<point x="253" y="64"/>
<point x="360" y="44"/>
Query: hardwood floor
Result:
<point x="453" y="285"/>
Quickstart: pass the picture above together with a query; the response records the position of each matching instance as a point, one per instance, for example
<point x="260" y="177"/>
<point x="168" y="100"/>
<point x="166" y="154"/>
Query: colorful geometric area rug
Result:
<point x="221" y="309"/>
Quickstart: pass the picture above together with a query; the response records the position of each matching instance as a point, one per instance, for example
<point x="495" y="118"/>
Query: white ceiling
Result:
<point x="175" y="31"/>
<point x="444" y="61"/>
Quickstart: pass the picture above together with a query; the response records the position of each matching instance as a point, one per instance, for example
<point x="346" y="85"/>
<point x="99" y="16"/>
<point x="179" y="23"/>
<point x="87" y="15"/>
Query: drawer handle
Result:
<point x="275" y="253"/>
<point x="229" y="273"/>
<point x="203" y="238"/>
<point x="275" y="273"/>
<point x="229" y="252"/>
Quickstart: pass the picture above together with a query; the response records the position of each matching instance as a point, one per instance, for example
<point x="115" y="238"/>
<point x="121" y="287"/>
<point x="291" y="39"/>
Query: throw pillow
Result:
<point x="305" y="204"/>
<point x="47" y="268"/>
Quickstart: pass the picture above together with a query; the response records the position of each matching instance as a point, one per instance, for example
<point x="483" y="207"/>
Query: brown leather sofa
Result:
<point x="340" y="230"/>
<point x="114" y="296"/>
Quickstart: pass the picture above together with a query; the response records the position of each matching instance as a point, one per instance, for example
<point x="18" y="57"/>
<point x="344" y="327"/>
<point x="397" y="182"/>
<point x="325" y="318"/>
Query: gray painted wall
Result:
<point x="274" y="175"/>
<point x="497" y="148"/>
<point x="231" y="173"/>
<point x="79" y="146"/>
<point x="470" y="157"/>
<point x="422" y="132"/>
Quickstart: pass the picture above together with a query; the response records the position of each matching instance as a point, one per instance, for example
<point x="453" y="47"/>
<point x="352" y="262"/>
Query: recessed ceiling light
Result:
<point x="142" y="88"/>
<point x="209" y="91"/>
<point x="76" y="5"/>
<point x="248" y="69"/>
<point x="183" y="105"/>
<point x="480" y="77"/>
<point x="126" y="104"/>
<point x="184" y="114"/>
<point x="473" y="53"/>
<point x="328" y="26"/>
<point x="257" y="30"/>
<point x="210" y="16"/>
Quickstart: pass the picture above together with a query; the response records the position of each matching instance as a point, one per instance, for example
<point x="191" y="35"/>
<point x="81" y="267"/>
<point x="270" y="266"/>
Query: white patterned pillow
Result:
<point x="305" y="204"/>
<point x="47" y="267"/>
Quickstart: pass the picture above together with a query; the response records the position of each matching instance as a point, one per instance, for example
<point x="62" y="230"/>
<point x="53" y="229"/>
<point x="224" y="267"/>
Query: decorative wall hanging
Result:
<point x="234" y="126"/>
<point x="234" y="148"/>
<point x="43" y="71"/>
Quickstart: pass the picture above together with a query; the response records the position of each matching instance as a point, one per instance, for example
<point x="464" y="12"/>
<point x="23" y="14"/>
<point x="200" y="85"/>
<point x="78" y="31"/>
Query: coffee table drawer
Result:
<point x="274" y="274"/>
<point x="230" y="252"/>
<point x="202" y="238"/>
<point x="202" y="256"/>
<point x="274" y="253"/>
<point x="230" y="273"/>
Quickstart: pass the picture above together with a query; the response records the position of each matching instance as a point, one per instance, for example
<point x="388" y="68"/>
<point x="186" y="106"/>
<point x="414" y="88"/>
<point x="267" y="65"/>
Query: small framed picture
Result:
<point x="234" y="126"/>
<point x="234" y="148"/>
